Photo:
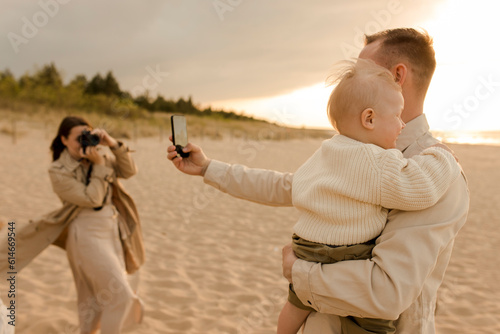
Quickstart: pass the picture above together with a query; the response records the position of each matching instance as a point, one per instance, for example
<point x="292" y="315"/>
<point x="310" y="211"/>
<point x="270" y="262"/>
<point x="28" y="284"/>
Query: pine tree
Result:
<point x="48" y="76"/>
<point x="111" y="86"/>
<point x="80" y="81"/>
<point x="8" y="85"/>
<point x="95" y="86"/>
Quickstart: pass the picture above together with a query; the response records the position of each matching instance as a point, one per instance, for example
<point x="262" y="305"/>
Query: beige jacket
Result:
<point x="68" y="183"/>
<point x="409" y="259"/>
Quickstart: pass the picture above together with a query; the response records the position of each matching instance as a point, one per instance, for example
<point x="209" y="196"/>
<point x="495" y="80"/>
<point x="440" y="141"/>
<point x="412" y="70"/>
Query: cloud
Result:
<point x="259" y="48"/>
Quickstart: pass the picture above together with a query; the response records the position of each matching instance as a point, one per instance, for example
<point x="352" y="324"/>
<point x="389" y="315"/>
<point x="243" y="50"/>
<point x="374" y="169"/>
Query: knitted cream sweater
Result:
<point x="345" y="189"/>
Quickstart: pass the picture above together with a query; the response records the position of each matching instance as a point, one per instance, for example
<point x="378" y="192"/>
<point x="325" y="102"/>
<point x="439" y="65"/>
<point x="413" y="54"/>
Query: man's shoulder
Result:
<point x="427" y="140"/>
<point x="423" y="142"/>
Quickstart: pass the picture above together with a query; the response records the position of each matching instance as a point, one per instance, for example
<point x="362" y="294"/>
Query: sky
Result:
<point x="269" y="59"/>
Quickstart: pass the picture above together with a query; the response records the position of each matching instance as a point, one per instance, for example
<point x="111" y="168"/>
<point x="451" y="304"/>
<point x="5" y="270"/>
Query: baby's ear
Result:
<point x="367" y="117"/>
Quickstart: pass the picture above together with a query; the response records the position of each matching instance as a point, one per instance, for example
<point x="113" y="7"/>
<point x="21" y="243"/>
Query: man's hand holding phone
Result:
<point x="188" y="158"/>
<point x="195" y="164"/>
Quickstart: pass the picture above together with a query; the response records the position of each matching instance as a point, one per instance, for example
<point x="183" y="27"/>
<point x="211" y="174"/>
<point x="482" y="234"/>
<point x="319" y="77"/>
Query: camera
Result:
<point x="88" y="139"/>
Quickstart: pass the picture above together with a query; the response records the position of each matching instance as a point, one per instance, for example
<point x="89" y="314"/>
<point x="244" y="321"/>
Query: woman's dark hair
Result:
<point x="67" y="124"/>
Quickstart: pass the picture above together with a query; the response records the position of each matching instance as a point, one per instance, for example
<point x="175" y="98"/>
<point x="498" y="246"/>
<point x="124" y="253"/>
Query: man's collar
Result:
<point x="68" y="161"/>
<point x="413" y="130"/>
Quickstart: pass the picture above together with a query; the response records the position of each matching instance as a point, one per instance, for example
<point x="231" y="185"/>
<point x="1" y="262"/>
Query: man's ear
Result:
<point x="367" y="118"/>
<point x="400" y="72"/>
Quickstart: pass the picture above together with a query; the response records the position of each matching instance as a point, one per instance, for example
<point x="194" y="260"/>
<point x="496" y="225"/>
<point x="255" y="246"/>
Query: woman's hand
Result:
<point x="195" y="164"/>
<point x="92" y="155"/>
<point x="105" y="138"/>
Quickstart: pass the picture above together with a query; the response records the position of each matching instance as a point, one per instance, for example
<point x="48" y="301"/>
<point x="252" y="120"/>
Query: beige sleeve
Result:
<point x="257" y="185"/>
<point x="123" y="163"/>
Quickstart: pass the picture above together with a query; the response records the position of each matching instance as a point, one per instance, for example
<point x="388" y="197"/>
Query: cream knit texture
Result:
<point x="344" y="190"/>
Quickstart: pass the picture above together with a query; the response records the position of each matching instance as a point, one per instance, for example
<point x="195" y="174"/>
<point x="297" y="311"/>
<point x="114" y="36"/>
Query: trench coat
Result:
<point x="51" y="228"/>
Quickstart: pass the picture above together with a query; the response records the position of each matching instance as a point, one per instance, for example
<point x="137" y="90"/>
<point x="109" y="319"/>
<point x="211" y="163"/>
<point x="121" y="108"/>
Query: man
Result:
<point x="411" y="255"/>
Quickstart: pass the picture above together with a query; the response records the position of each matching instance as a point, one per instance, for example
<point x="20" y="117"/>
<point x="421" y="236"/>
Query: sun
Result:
<point x="463" y="31"/>
<point x="465" y="92"/>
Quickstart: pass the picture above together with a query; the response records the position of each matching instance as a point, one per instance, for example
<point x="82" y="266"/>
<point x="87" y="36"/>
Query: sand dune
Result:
<point x="214" y="262"/>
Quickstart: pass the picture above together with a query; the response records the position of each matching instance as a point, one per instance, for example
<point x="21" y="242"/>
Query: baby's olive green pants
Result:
<point x="316" y="252"/>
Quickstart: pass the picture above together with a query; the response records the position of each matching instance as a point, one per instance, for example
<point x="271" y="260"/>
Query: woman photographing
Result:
<point x="98" y="225"/>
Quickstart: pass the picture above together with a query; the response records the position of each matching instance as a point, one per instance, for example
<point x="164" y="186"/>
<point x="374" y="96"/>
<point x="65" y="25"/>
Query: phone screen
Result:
<point x="179" y="130"/>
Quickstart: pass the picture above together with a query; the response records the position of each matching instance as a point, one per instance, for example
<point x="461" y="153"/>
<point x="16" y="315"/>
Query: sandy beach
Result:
<point x="214" y="262"/>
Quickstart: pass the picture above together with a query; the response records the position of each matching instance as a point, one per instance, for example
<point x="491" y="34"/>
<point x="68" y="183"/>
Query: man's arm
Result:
<point x="257" y="185"/>
<point x="405" y="255"/>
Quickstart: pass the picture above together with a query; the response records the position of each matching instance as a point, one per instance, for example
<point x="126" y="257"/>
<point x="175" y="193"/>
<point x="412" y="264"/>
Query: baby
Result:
<point x="346" y="188"/>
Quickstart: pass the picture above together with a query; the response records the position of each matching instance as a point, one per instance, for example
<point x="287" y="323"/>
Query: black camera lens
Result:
<point x="88" y="139"/>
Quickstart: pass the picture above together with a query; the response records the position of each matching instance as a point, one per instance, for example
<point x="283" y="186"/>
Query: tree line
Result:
<point x="100" y="94"/>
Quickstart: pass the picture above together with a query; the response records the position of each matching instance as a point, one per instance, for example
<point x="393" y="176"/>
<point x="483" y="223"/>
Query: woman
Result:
<point x="103" y="239"/>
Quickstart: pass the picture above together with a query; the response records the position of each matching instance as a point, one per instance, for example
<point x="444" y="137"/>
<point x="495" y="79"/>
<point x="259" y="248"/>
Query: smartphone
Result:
<point x="179" y="134"/>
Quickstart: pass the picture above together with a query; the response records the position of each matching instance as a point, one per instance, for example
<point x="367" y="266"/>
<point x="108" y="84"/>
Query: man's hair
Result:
<point x="407" y="44"/>
<point x="359" y="84"/>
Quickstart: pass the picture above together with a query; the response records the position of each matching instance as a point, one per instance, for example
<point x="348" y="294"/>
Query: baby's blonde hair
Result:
<point x="359" y="84"/>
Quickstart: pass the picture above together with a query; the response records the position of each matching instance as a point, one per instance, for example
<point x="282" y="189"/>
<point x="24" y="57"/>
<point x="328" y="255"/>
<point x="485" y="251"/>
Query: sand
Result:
<point x="214" y="262"/>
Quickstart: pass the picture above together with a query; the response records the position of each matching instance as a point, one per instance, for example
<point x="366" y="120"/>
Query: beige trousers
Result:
<point x="94" y="250"/>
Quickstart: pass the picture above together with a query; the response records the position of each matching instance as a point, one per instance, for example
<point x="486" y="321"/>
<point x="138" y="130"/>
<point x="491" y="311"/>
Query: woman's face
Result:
<point x="71" y="142"/>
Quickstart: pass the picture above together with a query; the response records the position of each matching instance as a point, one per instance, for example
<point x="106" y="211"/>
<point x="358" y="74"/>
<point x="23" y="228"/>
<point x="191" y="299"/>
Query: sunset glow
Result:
<point x="464" y="94"/>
